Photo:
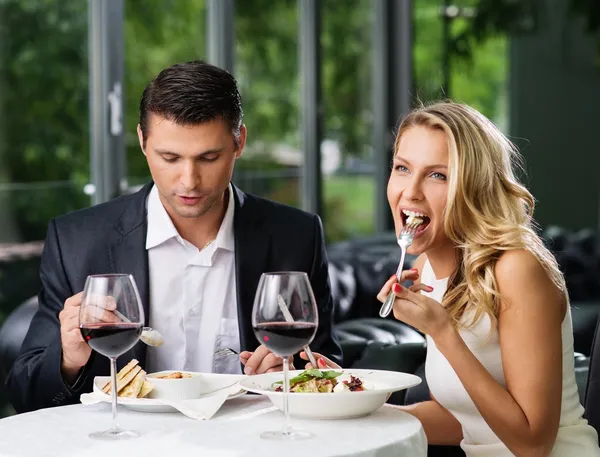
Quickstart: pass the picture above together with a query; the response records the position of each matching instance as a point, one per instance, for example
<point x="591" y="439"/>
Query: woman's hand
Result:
<point x="322" y="362"/>
<point x="412" y="274"/>
<point x="419" y="311"/>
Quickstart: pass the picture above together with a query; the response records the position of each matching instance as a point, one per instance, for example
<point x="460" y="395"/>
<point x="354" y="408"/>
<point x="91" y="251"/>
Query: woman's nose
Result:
<point x="413" y="189"/>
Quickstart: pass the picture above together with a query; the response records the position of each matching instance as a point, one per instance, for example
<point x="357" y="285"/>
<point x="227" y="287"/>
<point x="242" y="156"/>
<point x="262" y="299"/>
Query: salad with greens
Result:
<point x="319" y="381"/>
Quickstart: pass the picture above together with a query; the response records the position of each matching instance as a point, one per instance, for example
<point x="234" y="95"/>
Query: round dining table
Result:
<point x="234" y="431"/>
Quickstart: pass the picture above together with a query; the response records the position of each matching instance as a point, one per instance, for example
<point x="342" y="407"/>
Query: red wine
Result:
<point x="284" y="338"/>
<point x="111" y="340"/>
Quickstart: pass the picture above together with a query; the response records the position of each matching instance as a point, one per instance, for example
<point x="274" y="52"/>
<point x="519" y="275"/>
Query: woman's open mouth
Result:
<point x="415" y="218"/>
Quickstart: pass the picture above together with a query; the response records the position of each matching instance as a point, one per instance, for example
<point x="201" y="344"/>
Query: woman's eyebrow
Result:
<point x="428" y="167"/>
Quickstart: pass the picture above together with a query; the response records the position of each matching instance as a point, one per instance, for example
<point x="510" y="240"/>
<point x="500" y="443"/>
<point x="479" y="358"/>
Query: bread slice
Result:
<point x="124" y="371"/>
<point x="146" y="389"/>
<point x="132" y="389"/>
<point x="121" y="374"/>
<point x="121" y="383"/>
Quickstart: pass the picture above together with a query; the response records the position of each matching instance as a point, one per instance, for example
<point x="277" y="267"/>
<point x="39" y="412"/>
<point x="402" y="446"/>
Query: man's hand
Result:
<point x="75" y="351"/>
<point x="262" y="361"/>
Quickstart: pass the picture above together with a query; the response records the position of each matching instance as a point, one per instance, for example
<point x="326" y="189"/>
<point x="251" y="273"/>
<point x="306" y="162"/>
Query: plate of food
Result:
<point x="331" y="394"/>
<point x="140" y="391"/>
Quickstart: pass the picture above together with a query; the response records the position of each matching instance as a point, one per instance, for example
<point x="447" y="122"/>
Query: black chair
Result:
<point x="592" y="393"/>
<point x="12" y="334"/>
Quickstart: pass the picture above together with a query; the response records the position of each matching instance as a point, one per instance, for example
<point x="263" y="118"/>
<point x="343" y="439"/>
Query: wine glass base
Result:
<point x="292" y="435"/>
<point x="115" y="435"/>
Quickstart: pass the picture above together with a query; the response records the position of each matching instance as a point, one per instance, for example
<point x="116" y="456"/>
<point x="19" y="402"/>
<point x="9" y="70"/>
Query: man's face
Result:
<point x="191" y="165"/>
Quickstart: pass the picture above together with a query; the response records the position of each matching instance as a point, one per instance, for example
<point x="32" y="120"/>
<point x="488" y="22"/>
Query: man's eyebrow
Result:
<point x="203" y="153"/>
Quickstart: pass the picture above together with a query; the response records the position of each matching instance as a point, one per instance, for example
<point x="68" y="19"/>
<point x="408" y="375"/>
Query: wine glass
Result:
<point x="111" y="318"/>
<point x="285" y="319"/>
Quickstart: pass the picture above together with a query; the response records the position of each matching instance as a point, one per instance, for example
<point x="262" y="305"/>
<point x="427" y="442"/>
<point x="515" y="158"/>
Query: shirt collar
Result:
<point x="225" y="239"/>
<point x="161" y="227"/>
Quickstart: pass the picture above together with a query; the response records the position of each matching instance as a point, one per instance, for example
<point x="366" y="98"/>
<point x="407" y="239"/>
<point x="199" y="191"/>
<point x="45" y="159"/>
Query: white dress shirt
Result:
<point x="192" y="295"/>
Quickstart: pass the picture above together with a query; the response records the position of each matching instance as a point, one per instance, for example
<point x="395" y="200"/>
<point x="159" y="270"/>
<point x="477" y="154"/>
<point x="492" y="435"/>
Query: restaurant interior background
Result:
<point x="323" y="85"/>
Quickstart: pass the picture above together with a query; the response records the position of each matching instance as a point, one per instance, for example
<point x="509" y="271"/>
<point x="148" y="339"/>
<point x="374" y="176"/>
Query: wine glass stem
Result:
<point x="287" y="428"/>
<point x="113" y="378"/>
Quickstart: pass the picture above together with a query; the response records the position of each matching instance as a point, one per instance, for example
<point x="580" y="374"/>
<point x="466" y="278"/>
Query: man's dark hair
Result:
<point x="191" y="93"/>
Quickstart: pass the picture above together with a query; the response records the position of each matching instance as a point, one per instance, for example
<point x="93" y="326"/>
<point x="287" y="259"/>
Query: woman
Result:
<point x="487" y="293"/>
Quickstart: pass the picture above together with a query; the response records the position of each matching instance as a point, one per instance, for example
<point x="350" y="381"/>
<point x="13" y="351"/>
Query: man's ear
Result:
<point x="241" y="142"/>
<point x="141" y="138"/>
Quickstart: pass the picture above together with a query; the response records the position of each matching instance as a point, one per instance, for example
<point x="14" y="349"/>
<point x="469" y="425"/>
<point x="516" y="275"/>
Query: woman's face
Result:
<point x="418" y="183"/>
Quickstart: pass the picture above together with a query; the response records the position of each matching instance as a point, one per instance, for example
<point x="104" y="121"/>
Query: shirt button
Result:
<point x="193" y="312"/>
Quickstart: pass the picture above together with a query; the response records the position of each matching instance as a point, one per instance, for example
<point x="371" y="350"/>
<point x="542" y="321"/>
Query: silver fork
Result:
<point x="229" y="351"/>
<point x="405" y="239"/>
<point x="288" y="317"/>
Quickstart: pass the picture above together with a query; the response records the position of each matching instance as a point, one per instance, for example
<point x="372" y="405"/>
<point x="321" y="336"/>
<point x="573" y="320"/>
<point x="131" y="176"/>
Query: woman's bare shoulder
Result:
<point x="518" y="273"/>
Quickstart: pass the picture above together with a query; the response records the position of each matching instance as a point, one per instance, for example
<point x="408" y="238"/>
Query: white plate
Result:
<point x="379" y="385"/>
<point x="151" y="405"/>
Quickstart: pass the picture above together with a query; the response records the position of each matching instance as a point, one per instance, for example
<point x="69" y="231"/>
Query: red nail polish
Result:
<point x="397" y="288"/>
<point x="321" y="362"/>
<point x="393" y="276"/>
<point x="429" y="289"/>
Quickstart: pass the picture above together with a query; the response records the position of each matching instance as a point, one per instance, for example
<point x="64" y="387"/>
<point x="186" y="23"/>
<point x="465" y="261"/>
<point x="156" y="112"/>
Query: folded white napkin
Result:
<point x="203" y="408"/>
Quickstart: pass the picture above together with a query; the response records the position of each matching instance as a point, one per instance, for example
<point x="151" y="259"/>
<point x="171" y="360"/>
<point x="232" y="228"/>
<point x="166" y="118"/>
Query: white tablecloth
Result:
<point x="233" y="432"/>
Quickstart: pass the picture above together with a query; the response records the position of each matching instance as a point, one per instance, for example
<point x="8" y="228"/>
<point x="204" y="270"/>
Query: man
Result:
<point x="195" y="244"/>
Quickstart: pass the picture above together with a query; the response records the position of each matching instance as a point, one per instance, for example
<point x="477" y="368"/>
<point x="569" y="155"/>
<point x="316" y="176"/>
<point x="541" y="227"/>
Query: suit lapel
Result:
<point x="128" y="255"/>
<point x="252" y="246"/>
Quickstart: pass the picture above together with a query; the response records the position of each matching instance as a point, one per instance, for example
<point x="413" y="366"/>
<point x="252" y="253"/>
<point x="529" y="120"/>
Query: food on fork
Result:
<point x="414" y="218"/>
<point x="131" y="382"/>
<point x="318" y="381"/>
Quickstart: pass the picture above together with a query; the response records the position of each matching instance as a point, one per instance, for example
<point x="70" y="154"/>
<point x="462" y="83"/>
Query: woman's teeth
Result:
<point x="412" y="213"/>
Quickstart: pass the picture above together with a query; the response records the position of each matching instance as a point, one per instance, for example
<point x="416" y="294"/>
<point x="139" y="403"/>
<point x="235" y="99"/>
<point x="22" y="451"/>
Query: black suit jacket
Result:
<point x="111" y="238"/>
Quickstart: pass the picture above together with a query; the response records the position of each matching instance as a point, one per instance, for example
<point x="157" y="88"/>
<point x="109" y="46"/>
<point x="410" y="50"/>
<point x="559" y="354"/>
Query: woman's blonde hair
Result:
<point x="488" y="211"/>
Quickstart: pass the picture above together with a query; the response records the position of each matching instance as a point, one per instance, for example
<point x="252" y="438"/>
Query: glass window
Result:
<point x="479" y="80"/>
<point x="157" y="34"/>
<point x="44" y="115"/>
<point x="266" y="68"/>
<point x="482" y="79"/>
<point x="428" y="49"/>
<point x="347" y="158"/>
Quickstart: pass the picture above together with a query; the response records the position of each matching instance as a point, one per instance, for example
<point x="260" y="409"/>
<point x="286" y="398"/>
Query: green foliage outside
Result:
<point x="44" y="123"/>
<point x="44" y="132"/>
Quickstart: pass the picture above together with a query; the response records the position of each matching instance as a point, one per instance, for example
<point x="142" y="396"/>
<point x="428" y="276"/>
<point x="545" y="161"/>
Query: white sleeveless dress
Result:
<point x="575" y="437"/>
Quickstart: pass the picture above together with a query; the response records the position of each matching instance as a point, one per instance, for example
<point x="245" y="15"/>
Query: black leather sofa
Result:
<point x="359" y="267"/>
